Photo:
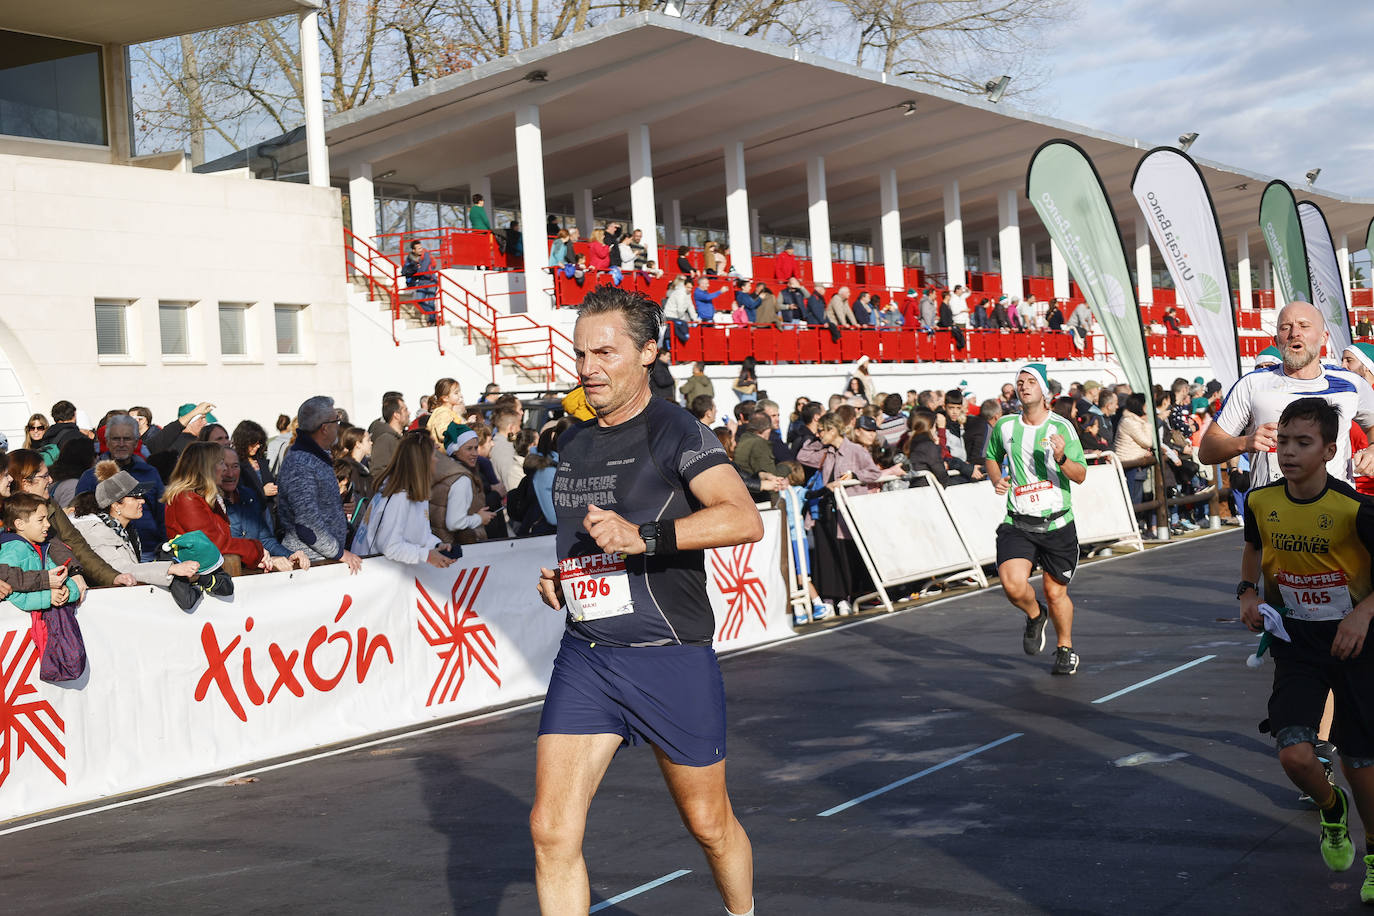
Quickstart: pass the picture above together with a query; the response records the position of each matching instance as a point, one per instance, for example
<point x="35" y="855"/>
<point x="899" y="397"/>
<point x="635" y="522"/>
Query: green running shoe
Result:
<point x="1337" y="850"/>
<point x="1367" y="890"/>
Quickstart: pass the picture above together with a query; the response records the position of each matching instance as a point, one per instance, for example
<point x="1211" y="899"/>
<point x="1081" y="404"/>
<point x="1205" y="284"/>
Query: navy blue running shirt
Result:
<point x="640" y="469"/>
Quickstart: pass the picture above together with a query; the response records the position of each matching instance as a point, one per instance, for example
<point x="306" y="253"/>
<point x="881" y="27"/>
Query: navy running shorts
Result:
<point x="672" y="697"/>
<point x="1055" y="552"/>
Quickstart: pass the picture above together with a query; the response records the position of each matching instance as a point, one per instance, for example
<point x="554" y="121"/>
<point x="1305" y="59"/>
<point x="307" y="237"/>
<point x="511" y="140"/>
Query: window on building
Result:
<point x="233" y="329"/>
<point x="288" y="330"/>
<point x="174" y="327"/>
<point x="111" y="328"/>
<point x="51" y="89"/>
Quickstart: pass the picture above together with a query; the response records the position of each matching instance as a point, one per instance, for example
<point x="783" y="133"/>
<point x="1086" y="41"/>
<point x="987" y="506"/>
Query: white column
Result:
<point x="362" y="207"/>
<point x="1009" y="242"/>
<point x="1243" y="284"/>
<point x="954" y="237"/>
<point x="1059" y="268"/>
<point x="1144" y="276"/>
<point x="642" y="215"/>
<point x="890" y="232"/>
<point x="1343" y="258"/>
<point x="818" y="216"/>
<point x="582" y="212"/>
<point x="529" y="164"/>
<point x="737" y="211"/>
<point x="673" y="224"/>
<point x="316" y="153"/>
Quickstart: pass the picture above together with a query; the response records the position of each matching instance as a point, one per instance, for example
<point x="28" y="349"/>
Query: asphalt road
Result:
<point x="1163" y="799"/>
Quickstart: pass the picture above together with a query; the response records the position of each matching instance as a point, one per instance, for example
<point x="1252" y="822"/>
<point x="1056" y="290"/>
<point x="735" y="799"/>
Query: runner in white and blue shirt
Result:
<point x="1248" y="419"/>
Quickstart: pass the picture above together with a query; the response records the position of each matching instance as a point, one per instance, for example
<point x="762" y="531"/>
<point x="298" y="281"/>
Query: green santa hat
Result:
<point x="195" y="545"/>
<point x="1268" y="357"/>
<point x="1041" y="375"/>
<point x="1363" y="352"/>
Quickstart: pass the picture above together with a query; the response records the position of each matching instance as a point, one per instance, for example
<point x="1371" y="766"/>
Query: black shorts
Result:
<point x="1303" y="675"/>
<point x="1055" y="552"/>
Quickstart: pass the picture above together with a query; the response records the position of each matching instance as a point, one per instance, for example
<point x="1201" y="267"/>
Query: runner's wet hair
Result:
<point x="643" y="316"/>
<point x="1319" y="411"/>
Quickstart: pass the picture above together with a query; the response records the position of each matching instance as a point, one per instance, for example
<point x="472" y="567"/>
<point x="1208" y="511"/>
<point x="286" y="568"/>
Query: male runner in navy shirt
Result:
<point x="641" y="492"/>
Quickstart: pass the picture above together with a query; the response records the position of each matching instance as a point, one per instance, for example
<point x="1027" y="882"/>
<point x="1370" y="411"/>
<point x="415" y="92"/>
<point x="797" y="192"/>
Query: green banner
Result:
<point x="1369" y="247"/>
<point x="1067" y="192"/>
<point x="1282" y="230"/>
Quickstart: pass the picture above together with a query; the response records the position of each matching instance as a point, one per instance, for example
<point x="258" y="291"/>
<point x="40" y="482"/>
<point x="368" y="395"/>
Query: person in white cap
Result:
<point x="1043" y="456"/>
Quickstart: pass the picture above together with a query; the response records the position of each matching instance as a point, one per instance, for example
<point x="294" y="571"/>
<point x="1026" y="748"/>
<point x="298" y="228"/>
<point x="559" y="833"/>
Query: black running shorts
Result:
<point x="1055" y="552"/>
<point x="1303" y="674"/>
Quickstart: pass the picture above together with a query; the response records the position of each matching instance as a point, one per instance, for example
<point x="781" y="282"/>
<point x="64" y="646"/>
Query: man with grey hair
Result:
<point x="308" y="502"/>
<point x="121" y="446"/>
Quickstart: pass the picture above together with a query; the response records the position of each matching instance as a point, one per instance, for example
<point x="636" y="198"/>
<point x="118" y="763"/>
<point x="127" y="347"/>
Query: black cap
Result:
<point x="867" y="423"/>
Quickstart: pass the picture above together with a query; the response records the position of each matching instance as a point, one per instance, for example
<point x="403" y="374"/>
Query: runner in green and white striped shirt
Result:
<point x="1043" y="455"/>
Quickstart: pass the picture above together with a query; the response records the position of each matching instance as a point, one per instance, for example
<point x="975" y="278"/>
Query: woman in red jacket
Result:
<point x="194" y="502"/>
<point x="598" y="252"/>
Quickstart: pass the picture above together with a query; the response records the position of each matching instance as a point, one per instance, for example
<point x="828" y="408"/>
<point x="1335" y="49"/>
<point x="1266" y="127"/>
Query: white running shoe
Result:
<point x="844" y="608"/>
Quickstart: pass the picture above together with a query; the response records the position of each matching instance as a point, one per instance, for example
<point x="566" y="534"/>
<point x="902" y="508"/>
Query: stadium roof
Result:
<point x="127" y="22"/>
<point x="699" y="88"/>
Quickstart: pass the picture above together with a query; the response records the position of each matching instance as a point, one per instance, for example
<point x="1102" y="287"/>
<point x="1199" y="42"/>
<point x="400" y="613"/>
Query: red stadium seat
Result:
<point x="868" y="343"/>
<point x="851" y="344"/>
<point x="766" y="344"/>
<point x="741" y="343"/>
<point x="788" y="341"/>
<point x="925" y="347"/>
<point x="944" y="346"/>
<point x="689" y="352"/>
<point x="809" y="344"/>
<point x="714" y="345"/>
<point x="831" y="351"/>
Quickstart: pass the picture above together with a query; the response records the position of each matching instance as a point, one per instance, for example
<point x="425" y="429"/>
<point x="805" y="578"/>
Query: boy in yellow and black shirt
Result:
<point x="1312" y="537"/>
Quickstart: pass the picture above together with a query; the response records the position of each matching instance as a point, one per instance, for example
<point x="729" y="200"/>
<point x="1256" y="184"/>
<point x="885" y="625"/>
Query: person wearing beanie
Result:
<point x="107" y="516"/>
<point x="1043" y="456"/>
<point x="1359" y="359"/>
<point x="458" y="512"/>
<point x="308" y="504"/>
<point x="1269" y="356"/>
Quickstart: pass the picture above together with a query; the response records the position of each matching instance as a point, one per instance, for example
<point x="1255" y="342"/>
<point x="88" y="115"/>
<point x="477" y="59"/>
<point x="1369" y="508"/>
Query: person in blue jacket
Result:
<point x="705" y="300"/>
<point x="745" y="299"/>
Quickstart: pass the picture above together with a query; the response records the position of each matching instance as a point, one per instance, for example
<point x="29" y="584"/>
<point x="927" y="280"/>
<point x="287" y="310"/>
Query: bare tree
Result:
<point x="243" y="82"/>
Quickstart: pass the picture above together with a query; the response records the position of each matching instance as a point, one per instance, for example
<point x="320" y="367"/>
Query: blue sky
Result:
<point x="1272" y="86"/>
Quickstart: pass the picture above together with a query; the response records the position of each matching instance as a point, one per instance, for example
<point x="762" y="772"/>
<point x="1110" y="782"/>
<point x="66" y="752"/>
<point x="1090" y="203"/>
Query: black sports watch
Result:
<point x="649" y="532"/>
<point x="1245" y="586"/>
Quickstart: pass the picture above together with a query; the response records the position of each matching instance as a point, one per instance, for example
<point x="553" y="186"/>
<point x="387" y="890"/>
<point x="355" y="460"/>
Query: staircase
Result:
<point x="535" y="354"/>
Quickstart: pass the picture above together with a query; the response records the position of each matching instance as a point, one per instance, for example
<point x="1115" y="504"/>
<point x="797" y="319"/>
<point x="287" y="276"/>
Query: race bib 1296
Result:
<point x="596" y="586"/>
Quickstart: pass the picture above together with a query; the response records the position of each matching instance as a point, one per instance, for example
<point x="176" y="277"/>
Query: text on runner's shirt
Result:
<point x="575" y="492"/>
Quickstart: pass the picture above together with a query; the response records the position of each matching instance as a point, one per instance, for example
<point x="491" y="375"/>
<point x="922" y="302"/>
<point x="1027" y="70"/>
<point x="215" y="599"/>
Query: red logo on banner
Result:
<point x="743" y="590"/>
<point x="458" y="634"/>
<point x="26" y="723"/>
<point x="229" y="667"/>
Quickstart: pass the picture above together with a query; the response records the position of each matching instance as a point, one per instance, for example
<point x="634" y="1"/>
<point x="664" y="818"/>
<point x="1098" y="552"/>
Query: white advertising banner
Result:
<point x="1178" y="209"/>
<point x="908" y="534"/>
<point x="1324" y="270"/>
<point x="298" y="661"/>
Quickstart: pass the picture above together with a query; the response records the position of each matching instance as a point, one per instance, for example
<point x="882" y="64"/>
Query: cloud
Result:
<point x="1272" y="87"/>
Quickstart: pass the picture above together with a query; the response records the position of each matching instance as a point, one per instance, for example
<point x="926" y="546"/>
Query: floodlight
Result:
<point x="1312" y="176"/>
<point x="669" y="8"/>
<point x="1187" y="140"/>
<point x="995" y="88"/>
<point x="910" y="108"/>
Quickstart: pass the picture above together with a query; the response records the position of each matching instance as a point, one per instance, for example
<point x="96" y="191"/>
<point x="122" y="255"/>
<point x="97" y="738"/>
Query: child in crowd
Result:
<point x="25" y="546"/>
<point x="1309" y="545"/>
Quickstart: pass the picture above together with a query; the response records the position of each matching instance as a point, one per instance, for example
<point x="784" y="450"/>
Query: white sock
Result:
<point x="730" y="912"/>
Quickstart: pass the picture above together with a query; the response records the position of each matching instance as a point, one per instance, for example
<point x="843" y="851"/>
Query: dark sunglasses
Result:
<point x="38" y="426"/>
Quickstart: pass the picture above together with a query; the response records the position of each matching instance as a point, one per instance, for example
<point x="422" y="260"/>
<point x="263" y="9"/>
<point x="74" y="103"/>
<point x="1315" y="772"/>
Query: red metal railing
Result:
<point x="533" y="349"/>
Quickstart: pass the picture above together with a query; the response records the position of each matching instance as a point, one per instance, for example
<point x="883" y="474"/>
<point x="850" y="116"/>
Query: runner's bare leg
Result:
<point x="1015" y="576"/>
<point x="568" y="770"/>
<point x="704" y="804"/>
<point x="1061" y="609"/>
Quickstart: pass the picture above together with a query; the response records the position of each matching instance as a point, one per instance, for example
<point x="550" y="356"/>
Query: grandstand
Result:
<point x="146" y="275"/>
